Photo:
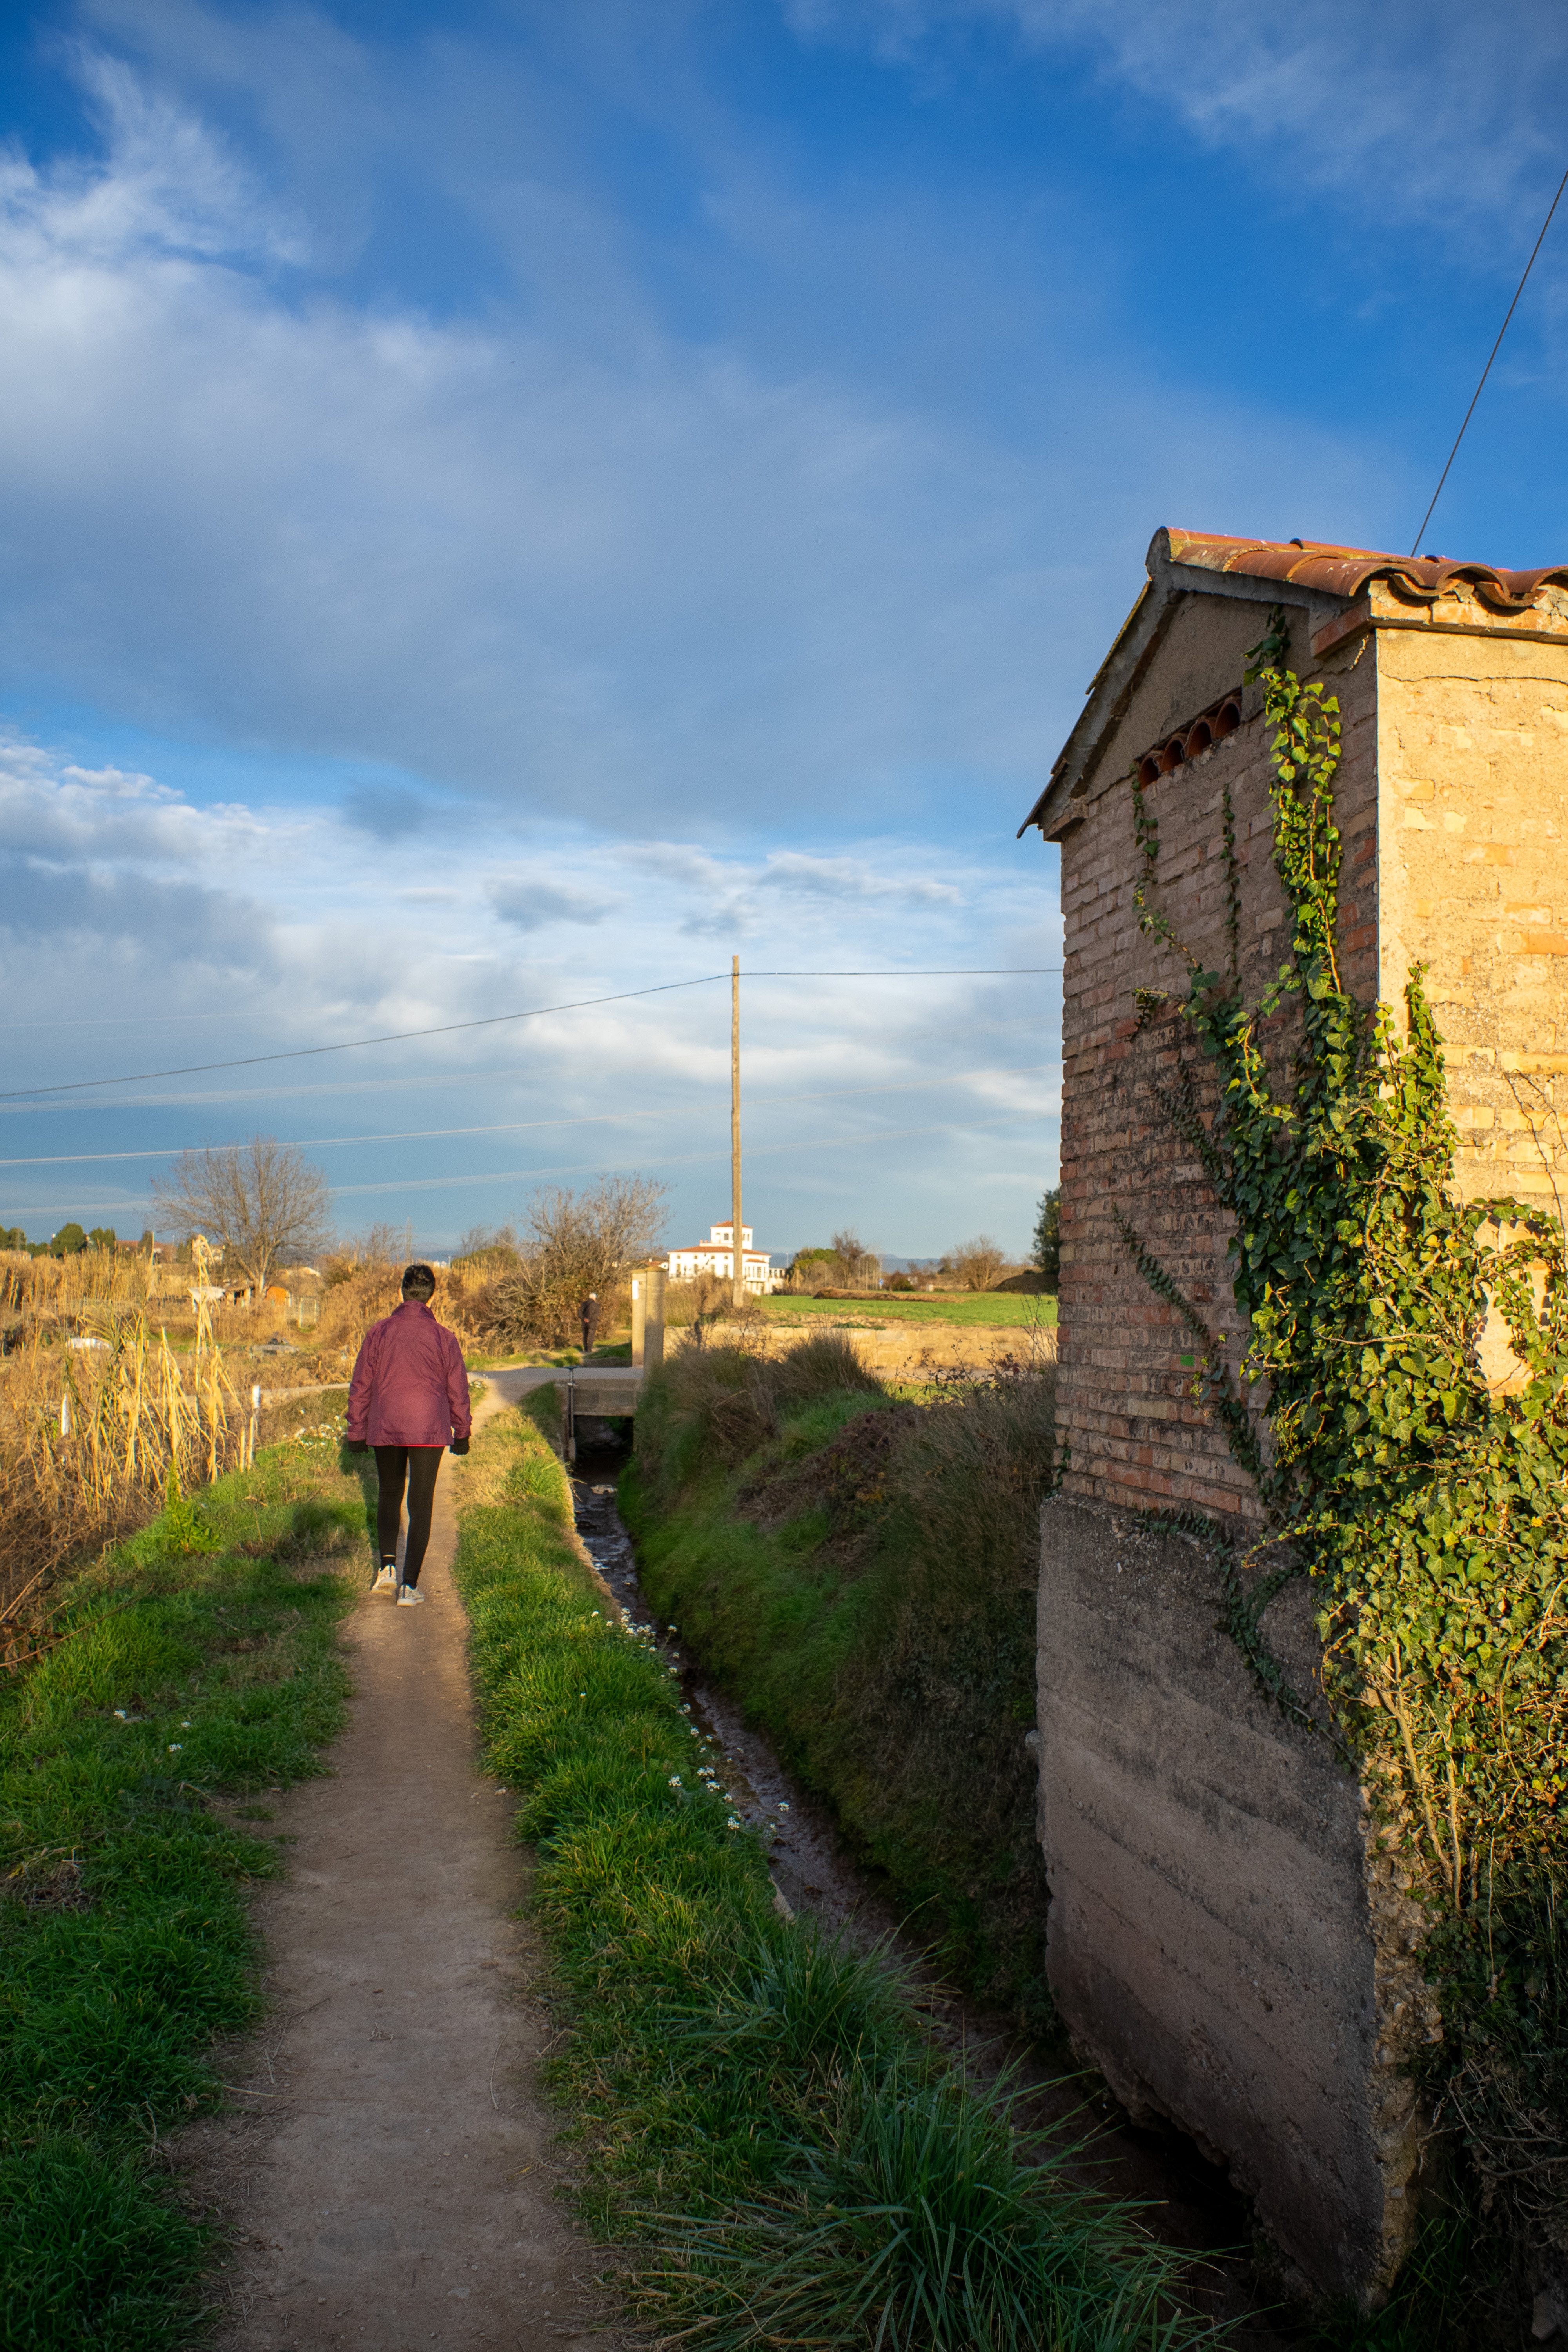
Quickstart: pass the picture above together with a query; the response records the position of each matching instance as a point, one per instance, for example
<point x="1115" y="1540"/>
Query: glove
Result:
<point x="459" y="1445"/>
<point x="355" y="1446"/>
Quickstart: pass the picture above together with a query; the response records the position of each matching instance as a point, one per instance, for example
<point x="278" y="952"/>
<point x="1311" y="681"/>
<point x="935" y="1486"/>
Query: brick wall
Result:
<point x="1136" y="1437"/>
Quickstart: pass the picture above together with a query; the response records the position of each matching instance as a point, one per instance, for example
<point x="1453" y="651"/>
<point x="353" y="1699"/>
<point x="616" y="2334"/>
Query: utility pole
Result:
<point x="738" y="1253"/>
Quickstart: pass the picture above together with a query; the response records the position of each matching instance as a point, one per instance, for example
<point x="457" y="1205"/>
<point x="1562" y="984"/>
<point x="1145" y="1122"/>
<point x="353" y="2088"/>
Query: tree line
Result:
<point x="267" y="1206"/>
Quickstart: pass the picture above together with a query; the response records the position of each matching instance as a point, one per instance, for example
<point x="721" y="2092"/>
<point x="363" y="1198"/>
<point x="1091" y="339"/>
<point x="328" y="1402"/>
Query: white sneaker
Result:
<point x="408" y="1594"/>
<point x="387" y="1580"/>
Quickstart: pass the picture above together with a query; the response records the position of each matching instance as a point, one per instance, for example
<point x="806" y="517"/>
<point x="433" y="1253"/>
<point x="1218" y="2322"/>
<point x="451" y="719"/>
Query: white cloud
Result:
<point x="844" y="878"/>
<point x="210" y="934"/>
<point x="531" y="905"/>
<point x="624" y="580"/>
<point x="1416" y="108"/>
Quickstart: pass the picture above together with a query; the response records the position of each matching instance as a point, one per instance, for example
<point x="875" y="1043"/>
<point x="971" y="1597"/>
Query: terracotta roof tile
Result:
<point x="1345" y="570"/>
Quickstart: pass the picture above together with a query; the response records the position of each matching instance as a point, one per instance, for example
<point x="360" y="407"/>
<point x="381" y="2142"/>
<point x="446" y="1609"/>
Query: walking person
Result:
<point x="408" y="1400"/>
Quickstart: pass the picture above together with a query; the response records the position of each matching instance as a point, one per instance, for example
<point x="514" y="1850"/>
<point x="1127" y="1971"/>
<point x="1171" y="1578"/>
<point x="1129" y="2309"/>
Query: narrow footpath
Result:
<point x="390" y="2173"/>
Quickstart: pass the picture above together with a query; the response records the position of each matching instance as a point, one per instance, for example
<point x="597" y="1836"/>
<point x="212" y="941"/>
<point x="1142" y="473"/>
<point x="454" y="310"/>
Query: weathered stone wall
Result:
<point x="1473" y="786"/>
<point x="1222" y="1942"/>
<point x="1134" y="1433"/>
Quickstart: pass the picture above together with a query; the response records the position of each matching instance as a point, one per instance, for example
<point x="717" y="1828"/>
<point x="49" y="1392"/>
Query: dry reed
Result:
<point x="95" y="1436"/>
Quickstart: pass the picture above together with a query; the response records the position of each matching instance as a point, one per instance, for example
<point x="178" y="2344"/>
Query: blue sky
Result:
<point x="503" y="505"/>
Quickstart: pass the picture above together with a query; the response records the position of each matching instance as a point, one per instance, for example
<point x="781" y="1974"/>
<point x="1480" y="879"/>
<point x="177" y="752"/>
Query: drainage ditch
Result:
<point x="1187" y="2201"/>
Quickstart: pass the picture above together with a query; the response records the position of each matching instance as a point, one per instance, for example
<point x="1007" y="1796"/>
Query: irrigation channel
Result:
<point x="1191" y="2204"/>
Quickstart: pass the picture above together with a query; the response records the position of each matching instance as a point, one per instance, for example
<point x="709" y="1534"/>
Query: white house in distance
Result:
<point x="714" y="1256"/>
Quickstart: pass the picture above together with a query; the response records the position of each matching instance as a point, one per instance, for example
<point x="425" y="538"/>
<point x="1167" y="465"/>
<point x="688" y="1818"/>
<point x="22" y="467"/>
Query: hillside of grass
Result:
<point x="764" y="2126"/>
<point x="859" y="1570"/>
<point x="196" y="1671"/>
<point x="1017" y="1310"/>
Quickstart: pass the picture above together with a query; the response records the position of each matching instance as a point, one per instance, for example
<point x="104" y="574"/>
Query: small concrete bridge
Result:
<point x="590" y="1391"/>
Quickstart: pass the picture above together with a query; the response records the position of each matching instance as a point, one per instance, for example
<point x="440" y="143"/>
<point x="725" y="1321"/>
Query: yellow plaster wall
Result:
<point x="1473" y="880"/>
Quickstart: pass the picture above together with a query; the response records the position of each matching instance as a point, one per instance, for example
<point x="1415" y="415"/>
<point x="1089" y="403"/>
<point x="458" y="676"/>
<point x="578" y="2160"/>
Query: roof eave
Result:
<point x="1124" y="667"/>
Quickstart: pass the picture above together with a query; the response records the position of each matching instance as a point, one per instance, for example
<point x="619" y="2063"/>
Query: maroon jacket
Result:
<point x="409" y="1386"/>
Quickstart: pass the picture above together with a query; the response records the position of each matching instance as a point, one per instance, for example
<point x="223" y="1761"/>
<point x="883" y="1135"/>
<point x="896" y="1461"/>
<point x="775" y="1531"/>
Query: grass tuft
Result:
<point x="914" y="2224"/>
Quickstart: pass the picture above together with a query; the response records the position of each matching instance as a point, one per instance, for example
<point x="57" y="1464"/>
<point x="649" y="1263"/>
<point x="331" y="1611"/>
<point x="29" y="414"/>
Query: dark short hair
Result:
<point x="418" y="1282"/>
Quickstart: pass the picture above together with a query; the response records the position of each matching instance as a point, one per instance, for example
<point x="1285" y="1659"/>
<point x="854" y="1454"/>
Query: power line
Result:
<point x="595" y="1168"/>
<point x="535" y="1012"/>
<point x="1497" y="347"/>
<point x="519" y="1125"/>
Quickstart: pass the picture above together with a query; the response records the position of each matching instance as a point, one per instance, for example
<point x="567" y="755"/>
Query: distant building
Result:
<point x="716" y="1256"/>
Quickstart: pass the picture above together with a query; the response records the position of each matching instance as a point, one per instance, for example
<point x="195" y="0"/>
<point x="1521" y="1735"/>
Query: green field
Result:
<point x="1013" y="1308"/>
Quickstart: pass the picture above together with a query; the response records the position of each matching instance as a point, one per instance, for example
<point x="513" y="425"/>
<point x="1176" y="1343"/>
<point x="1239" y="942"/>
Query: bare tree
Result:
<point x="263" y="1200"/>
<point x="978" y="1263"/>
<point x="578" y="1243"/>
<point x="379" y="1245"/>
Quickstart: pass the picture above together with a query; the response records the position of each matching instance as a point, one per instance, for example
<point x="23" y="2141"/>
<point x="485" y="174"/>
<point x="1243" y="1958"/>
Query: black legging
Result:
<point x="418" y="1464"/>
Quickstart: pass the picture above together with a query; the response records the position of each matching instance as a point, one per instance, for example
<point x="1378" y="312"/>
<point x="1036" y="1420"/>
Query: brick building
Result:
<point x="1223" y="1936"/>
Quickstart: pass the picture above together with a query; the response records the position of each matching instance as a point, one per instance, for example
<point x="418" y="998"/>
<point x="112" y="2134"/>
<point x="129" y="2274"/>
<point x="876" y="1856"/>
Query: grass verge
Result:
<point x="861" y="1571"/>
<point x="1019" y="1311"/>
<point x="200" y="1666"/>
<point x="761" y="2120"/>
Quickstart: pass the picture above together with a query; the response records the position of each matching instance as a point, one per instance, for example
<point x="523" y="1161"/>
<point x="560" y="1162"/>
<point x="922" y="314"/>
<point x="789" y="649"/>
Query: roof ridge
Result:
<point x="1339" y="570"/>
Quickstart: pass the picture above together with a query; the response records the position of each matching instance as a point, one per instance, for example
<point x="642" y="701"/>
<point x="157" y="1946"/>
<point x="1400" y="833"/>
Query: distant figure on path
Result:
<point x="589" y="1311"/>
<point x="409" y="1399"/>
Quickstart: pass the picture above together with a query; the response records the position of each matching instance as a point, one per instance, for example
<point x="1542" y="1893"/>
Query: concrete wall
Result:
<point x="1222" y="1941"/>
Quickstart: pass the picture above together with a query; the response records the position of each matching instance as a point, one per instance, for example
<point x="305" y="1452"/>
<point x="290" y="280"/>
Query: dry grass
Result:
<point x="94" y="1439"/>
<point x="465" y="1301"/>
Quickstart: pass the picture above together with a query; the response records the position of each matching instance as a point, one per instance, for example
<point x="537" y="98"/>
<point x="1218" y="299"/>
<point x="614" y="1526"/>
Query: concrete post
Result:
<point x="640" y="1318"/>
<point x="653" y="1326"/>
<point x="737" y="1244"/>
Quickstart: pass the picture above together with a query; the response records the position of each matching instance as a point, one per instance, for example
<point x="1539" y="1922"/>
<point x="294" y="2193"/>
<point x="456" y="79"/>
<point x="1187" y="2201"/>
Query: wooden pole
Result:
<point x="738" y="1253"/>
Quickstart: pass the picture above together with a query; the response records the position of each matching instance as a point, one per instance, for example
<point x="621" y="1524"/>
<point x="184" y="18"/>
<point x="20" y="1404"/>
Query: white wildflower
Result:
<point x="675" y="1779"/>
<point x="175" y="1746"/>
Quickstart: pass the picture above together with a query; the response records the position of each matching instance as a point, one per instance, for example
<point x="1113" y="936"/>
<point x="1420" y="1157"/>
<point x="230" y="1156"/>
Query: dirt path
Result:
<point x="391" y="2178"/>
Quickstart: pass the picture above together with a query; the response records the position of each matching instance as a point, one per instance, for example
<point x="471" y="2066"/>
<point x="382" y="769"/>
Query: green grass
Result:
<point x="760" y="2116"/>
<point x="860" y="1573"/>
<point x="1017" y="1310"/>
<point x="191" y="1674"/>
